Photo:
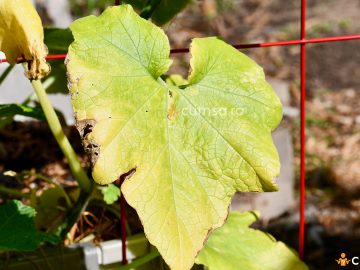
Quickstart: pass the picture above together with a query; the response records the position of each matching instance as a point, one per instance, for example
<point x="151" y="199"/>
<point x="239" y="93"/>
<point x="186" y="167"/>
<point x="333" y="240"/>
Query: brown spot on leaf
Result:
<point x="88" y="129"/>
<point x="85" y="127"/>
<point x="210" y="231"/>
<point x="171" y="114"/>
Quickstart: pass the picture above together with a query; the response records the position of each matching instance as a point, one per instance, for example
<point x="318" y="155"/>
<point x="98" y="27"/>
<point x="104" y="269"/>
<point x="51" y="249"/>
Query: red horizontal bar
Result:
<point x="56" y="56"/>
<point x="49" y="57"/>
<point x="247" y="46"/>
<point x="283" y="43"/>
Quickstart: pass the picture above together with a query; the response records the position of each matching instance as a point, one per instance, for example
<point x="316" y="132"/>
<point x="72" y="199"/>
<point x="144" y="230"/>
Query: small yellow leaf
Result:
<point x="21" y="35"/>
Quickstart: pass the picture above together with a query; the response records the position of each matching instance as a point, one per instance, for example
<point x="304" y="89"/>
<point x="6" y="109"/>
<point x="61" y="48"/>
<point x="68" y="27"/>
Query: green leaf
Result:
<point x="17" y="229"/>
<point x="188" y="150"/>
<point x="111" y="193"/>
<point x="51" y="209"/>
<point x="236" y="246"/>
<point x="56" y="81"/>
<point x="167" y="9"/>
<point x="10" y="110"/>
<point x="164" y="12"/>
<point x="58" y="41"/>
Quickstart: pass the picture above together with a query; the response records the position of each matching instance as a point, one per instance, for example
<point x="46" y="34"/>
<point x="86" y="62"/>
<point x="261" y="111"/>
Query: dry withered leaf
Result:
<point x="22" y="35"/>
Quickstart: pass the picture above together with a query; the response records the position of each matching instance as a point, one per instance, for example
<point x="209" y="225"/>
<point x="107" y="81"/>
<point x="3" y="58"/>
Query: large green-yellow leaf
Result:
<point x="21" y="35"/>
<point x="187" y="149"/>
<point x="236" y="246"/>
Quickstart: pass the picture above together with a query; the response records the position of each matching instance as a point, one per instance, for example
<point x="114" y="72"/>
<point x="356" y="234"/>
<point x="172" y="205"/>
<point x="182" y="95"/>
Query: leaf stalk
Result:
<point x="55" y="127"/>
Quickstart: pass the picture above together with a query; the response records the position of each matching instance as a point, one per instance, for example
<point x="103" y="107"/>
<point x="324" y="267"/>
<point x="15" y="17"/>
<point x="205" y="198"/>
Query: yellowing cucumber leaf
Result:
<point x="187" y="150"/>
<point x="236" y="246"/>
<point x="21" y="35"/>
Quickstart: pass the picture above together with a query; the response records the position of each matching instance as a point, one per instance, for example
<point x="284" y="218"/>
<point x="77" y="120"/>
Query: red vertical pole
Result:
<point x="123" y="222"/>
<point x="117" y="2"/>
<point x="302" y="130"/>
<point x="123" y="229"/>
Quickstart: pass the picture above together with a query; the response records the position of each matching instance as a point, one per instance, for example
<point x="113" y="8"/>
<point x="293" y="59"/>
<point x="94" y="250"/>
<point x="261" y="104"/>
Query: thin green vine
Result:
<point x="55" y="127"/>
<point x="50" y="181"/>
<point x="13" y="192"/>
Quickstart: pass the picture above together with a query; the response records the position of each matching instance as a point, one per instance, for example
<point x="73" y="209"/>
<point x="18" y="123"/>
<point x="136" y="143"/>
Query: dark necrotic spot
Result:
<point x="88" y="128"/>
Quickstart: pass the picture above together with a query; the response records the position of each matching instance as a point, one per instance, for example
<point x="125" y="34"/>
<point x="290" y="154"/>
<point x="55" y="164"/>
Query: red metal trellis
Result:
<point x="245" y="46"/>
<point x="302" y="129"/>
<point x="123" y="223"/>
<point x="302" y="42"/>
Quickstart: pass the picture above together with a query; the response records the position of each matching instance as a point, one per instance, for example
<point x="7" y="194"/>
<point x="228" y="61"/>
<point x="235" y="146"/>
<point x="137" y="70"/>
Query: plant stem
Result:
<point x="73" y="215"/>
<point x="139" y="262"/>
<point x="13" y="192"/>
<point x="55" y="126"/>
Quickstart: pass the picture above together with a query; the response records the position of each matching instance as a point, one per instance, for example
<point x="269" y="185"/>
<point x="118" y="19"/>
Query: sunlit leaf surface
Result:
<point x="187" y="149"/>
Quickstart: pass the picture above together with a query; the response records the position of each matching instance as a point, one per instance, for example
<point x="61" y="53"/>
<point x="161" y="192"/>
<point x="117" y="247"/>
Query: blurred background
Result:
<point x="333" y="112"/>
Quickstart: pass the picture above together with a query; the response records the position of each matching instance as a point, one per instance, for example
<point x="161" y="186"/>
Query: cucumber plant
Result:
<point x="185" y="146"/>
